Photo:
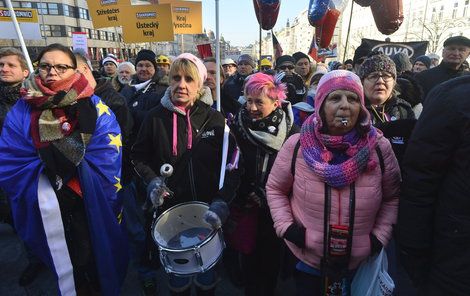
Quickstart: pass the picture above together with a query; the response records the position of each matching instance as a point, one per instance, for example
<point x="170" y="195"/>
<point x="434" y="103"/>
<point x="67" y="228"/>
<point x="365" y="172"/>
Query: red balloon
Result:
<point x="267" y="13"/>
<point x="328" y="27"/>
<point x="388" y="15"/>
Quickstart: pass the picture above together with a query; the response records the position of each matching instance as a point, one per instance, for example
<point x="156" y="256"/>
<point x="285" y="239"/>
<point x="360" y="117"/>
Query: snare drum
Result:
<point x="187" y="244"/>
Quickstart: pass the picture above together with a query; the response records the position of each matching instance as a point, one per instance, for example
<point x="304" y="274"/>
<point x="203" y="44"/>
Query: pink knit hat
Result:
<point x="197" y="62"/>
<point x="340" y="80"/>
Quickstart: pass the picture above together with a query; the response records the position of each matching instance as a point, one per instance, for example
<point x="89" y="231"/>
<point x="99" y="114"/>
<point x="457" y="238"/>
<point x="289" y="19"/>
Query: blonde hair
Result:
<point x="186" y="67"/>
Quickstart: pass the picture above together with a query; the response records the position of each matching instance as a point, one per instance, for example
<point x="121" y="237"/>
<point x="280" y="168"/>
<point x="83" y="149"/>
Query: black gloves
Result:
<point x="295" y="234"/>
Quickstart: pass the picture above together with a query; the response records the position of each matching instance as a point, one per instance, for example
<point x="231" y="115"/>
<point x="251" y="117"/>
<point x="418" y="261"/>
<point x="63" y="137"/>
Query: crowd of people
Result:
<point x="308" y="168"/>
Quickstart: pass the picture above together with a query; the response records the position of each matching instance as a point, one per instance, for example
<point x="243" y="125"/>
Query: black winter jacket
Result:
<point x="231" y="91"/>
<point x="253" y="179"/>
<point x="197" y="178"/>
<point x="9" y="94"/>
<point x="141" y="98"/>
<point x="434" y="213"/>
<point x="428" y="79"/>
<point x="117" y="103"/>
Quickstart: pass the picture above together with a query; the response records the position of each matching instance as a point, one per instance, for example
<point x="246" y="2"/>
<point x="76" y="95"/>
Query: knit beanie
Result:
<point x="300" y="55"/>
<point x="402" y="62"/>
<point x="378" y="63"/>
<point x="425" y="60"/>
<point x="109" y="59"/>
<point x="284" y="59"/>
<point x="201" y="69"/>
<point x="247" y="59"/>
<point x="146" y="55"/>
<point x="340" y="80"/>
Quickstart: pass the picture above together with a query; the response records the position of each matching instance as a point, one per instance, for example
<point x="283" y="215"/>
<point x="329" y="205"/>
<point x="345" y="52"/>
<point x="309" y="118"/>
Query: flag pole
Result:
<point x="260" y="36"/>
<point x="349" y="31"/>
<point x="217" y="55"/>
<point x="20" y="36"/>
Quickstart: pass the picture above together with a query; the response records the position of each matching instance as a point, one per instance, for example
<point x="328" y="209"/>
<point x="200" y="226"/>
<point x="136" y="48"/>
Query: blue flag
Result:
<point x="35" y="208"/>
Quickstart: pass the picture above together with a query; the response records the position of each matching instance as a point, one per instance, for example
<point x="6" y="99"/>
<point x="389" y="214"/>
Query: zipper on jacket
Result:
<point x="191" y="179"/>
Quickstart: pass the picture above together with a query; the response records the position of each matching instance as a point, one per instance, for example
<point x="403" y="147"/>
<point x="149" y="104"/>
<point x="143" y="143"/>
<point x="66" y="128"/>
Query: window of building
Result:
<point x="94" y="34"/>
<point x="42" y="8"/>
<point x="102" y="35"/>
<point x="83" y="13"/>
<point x="15" y="4"/>
<point x="53" y="8"/>
<point x="433" y="15"/>
<point x="26" y="4"/>
<point x="465" y="8"/>
<point x="441" y="12"/>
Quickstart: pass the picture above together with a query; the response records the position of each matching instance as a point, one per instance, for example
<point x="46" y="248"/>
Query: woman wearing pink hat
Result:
<point x="187" y="133"/>
<point x="333" y="190"/>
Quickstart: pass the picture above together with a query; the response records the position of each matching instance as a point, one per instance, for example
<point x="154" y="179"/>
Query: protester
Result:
<point x="296" y="90"/>
<point x="422" y="63"/>
<point x="230" y="67"/>
<point x="402" y="63"/>
<point x="264" y="122"/>
<point x="304" y="67"/>
<point x="62" y="176"/>
<point x="124" y="77"/>
<point x="433" y="219"/>
<point x="211" y="67"/>
<point x="233" y="87"/>
<point x="409" y="90"/>
<point x="146" y="90"/>
<point x="360" y="54"/>
<point x="348" y="64"/>
<point x="336" y="180"/>
<point x="265" y="65"/>
<point x="163" y="65"/>
<point x="456" y="51"/>
<point x="185" y="115"/>
<point x="435" y="58"/>
<point x="110" y="65"/>
<point x="13" y="71"/>
<point x="393" y="115"/>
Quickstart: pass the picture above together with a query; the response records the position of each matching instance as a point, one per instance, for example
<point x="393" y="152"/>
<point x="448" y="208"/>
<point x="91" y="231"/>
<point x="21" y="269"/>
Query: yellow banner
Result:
<point x="106" y="13"/>
<point x="23" y="15"/>
<point x="147" y="23"/>
<point x="187" y="16"/>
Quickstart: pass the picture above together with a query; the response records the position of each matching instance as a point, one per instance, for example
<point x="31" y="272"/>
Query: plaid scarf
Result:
<point x="337" y="160"/>
<point x="49" y="104"/>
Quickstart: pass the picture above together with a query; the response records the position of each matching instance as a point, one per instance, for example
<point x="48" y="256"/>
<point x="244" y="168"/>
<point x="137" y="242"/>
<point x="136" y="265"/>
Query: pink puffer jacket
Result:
<point x="376" y="203"/>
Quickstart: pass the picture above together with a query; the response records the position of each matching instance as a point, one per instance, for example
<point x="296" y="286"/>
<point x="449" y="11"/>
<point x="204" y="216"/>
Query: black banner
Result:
<point x="412" y="49"/>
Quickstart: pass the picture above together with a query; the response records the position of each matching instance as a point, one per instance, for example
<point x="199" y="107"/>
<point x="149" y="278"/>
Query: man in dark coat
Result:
<point x="455" y="52"/>
<point x="434" y="214"/>
<point x="233" y="87"/>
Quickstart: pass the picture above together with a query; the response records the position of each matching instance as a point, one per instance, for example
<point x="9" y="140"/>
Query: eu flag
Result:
<point x="35" y="208"/>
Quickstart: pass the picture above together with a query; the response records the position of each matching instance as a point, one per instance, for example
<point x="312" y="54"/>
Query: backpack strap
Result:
<point x="294" y="158"/>
<point x="381" y="159"/>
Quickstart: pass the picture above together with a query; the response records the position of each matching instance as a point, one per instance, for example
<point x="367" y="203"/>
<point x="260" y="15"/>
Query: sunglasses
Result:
<point x="59" y="68"/>
<point x="285" y="67"/>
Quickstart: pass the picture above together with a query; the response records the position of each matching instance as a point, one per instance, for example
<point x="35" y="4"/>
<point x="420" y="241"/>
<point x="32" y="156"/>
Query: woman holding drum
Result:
<point x="261" y="127"/>
<point x="185" y="132"/>
<point x="333" y="191"/>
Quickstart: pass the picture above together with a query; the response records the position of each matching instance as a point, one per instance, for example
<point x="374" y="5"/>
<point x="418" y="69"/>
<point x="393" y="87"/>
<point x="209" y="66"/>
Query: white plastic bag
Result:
<point x="372" y="278"/>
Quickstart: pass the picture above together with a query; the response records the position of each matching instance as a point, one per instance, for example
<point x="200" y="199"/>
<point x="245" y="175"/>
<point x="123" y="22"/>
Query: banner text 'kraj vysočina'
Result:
<point x="187" y="16"/>
<point x="27" y="20"/>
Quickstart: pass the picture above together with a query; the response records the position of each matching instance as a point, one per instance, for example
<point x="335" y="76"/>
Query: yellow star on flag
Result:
<point x="115" y="141"/>
<point x="102" y="108"/>
<point x="118" y="184"/>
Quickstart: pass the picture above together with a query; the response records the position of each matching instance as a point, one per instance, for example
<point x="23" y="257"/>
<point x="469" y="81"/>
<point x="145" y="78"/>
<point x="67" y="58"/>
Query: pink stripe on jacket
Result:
<point x="376" y="203"/>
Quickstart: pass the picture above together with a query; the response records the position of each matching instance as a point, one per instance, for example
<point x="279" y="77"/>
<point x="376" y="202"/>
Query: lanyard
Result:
<point x="383" y="118"/>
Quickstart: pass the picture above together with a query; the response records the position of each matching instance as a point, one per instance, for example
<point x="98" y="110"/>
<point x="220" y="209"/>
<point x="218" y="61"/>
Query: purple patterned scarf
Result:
<point x="320" y="151"/>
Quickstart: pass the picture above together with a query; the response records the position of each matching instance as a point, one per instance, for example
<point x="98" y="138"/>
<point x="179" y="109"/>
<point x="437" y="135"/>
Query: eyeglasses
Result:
<point x="284" y="67"/>
<point x="59" y="68"/>
<point x="163" y="61"/>
<point x="375" y="77"/>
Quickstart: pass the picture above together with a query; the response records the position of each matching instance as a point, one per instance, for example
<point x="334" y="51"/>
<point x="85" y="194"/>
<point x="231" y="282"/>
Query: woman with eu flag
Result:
<point x="60" y="155"/>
